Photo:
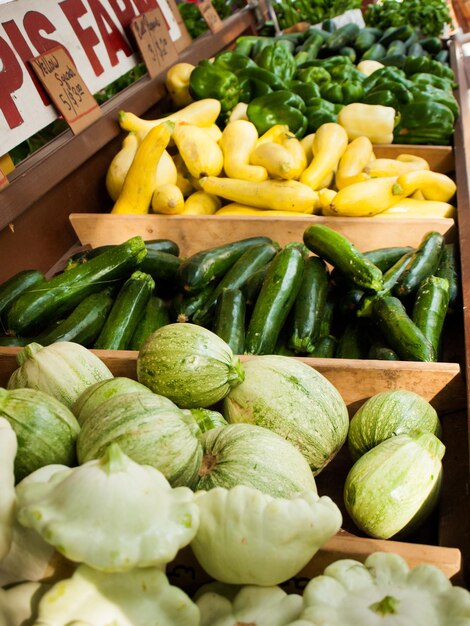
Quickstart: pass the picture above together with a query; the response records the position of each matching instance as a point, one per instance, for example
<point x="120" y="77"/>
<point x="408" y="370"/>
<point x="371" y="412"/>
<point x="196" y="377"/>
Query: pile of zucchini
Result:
<point x="321" y="297"/>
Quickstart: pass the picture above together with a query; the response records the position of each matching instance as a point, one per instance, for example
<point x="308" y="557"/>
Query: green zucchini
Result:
<point x="397" y="46"/>
<point x="17" y="284"/>
<point x="337" y="250"/>
<point x="252" y="286"/>
<point x="396" y="32"/>
<point x="391" y="278"/>
<point x="384" y="258"/>
<point x="366" y="38"/>
<point x="416" y="50"/>
<point x="430" y="308"/>
<point x="154" y="317"/>
<point x="126" y="311"/>
<point x="397" y="60"/>
<point x="208" y="265"/>
<point x="12" y="341"/>
<point x="431" y="44"/>
<point x="162" y="266"/>
<point x="329" y="310"/>
<point x="275" y="300"/>
<point x="442" y="56"/>
<point x="84" y="323"/>
<point x="353" y="342"/>
<point x="229" y="323"/>
<point x="325" y="347"/>
<point x="184" y="305"/>
<point x="399" y="330"/>
<point x="375" y="53"/>
<point x="348" y="51"/>
<point x="48" y="301"/>
<point x="309" y="305"/>
<point x="329" y="25"/>
<point x="163" y="245"/>
<point x="379" y="352"/>
<point x="314" y="30"/>
<point x="423" y="262"/>
<point x="448" y="268"/>
<point x="350" y="302"/>
<point x="342" y="36"/>
<point x="250" y="261"/>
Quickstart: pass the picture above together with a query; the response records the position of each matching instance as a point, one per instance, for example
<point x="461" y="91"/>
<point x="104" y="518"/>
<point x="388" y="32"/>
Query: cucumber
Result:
<point x="127" y="309"/>
<point x="342" y="36"/>
<point x="384" y="258"/>
<point x="352" y="344"/>
<point x="430" y="308"/>
<point x="84" y="323"/>
<point x="448" y="268"/>
<point x="250" y="261"/>
<point x="252" y="286"/>
<point x="17" y="284"/>
<point x="396" y="47"/>
<point x="162" y="266"/>
<point x="325" y="347"/>
<point x="276" y="298"/>
<point x="154" y="317"/>
<point x="337" y="250"/>
<point x="229" y="323"/>
<point x="49" y="300"/>
<point x="366" y="38"/>
<point x="184" y="304"/>
<point x="208" y="265"/>
<point x="309" y="305"/>
<point x="375" y="53"/>
<point x="399" y="330"/>
<point x="423" y="262"/>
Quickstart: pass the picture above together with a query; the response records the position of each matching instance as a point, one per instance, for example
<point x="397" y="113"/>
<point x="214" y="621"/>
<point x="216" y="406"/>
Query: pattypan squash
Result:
<point x="18" y="605"/>
<point x="247" y="537"/>
<point x="384" y="591"/>
<point x="8" y="448"/>
<point x="250" y="604"/>
<point x="111" y="513"/>
<point x="140" y="597"/>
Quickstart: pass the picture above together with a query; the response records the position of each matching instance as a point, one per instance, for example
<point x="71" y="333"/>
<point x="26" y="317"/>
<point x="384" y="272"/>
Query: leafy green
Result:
<point x="427" y="16"/>
<point x="289" y="12"/>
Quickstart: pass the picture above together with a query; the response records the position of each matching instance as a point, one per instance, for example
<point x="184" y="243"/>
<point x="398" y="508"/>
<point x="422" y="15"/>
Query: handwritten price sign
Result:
<point x="210" y="15"/>
<point x="66" y="88"/>
<point x="152" y="37"/>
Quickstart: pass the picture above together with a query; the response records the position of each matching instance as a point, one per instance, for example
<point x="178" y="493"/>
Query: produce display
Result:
<point x="321" y="297"/>
<point x="333" y="171"/>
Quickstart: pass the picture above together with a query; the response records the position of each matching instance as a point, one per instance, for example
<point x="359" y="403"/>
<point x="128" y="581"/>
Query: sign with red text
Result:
<point x="151" y="34"/>
<point x="96" y="35"/>
<point x="66" y="88"/>
<point x="210" y="15"/>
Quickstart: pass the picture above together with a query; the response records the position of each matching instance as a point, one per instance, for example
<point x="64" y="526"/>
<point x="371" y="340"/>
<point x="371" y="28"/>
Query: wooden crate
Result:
<point x="437" y="542"/>
<point x="194" y="233"/>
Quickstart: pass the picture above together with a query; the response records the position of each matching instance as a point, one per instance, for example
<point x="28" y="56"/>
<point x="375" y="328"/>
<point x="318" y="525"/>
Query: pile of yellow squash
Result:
<point x="183" y="164"/>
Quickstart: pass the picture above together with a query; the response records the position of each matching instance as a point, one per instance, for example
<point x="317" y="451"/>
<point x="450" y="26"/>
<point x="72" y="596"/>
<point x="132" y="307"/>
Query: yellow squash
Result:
<point x="239" y="112"/>
<point x="201" y="154"/>
<point x="238" y="141"/>
<point x="167" y="199"/>
<point x="120" y="165"/>
<point x="280" y="152"/>
<point x="325" y="197"/>
<point x="241" y="209"/>
<point x="139" y="184"/>
<point x="183" y="177"/>
<point x="433" y="185"/>
<point x="307" y="146"/>
<point x="409" y="207"/>
<point x="367" y="198"/>
<point x="351" y="165"/>
<point x="177" y="83"/>
<point x="281" y="195"/>
<point x="395" y="167"/>
<point x="201" y="203"/>
<point x="329" y="144"/>
<point x="201" y="113"/>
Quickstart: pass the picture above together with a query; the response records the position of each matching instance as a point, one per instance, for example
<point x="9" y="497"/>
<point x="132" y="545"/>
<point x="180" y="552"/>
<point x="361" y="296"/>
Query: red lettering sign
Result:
<point x="73" y="10"/>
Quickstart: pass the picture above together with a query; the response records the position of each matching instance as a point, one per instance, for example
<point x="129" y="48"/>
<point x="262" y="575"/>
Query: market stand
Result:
<point x="67" y="177"/>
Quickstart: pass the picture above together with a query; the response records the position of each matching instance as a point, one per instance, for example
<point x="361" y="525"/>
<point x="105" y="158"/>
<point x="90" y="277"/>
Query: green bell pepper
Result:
<point x="343" y="92"/>
<point x="425" y="122"/>
<point x="316" y="75"/>
<point x="338" y="59"/>
<point x="312" y="45"/>
<point x="413" y="64"/>
<point x="401" y="93"/>
<point x="441" y="69"/>
<point x="279" y="107"/>
<point x="389" y="74"/>
<point x="345" y="71"/>
<point x="209" y="81"/>
<point x="424" y="79"/>
<point x="245" y="43"/>
<point x="278" y="60"/>
<point x="384" y="97"/>
<point x="321" y="112"/>
<point x="436" y="95"/>
<point x="265" y="76"/>
<point x="233" y="61"/>
<point x="251" y="88"/>
<point x="307" y="91"/>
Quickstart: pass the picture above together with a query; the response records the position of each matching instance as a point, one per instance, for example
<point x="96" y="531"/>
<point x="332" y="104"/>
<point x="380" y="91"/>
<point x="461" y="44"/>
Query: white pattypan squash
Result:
<point x="111" y="513"/>
<point x="383" y="591"/>
<point x="256" y="606"/>
<point x="8" y="447"/>
<point x="18" y="605"/>
<point x="141" y="597"/>
<point x="247" y="537"/>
